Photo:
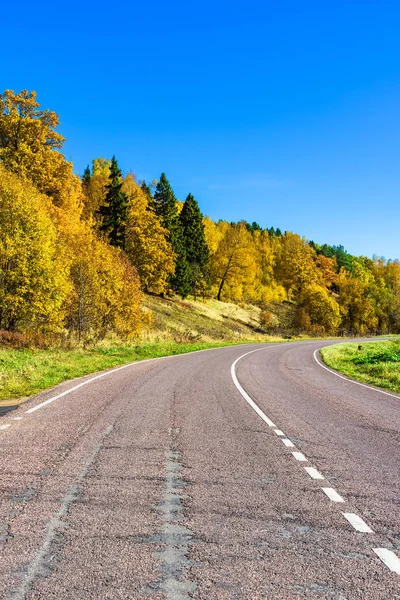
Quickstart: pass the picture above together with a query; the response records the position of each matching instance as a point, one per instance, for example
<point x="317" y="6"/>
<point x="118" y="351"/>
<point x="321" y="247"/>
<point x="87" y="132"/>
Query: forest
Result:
<point x="78" y="253"/>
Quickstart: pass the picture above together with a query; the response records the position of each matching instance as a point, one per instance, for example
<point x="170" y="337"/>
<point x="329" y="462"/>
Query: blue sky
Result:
<point x="285" y="113"/>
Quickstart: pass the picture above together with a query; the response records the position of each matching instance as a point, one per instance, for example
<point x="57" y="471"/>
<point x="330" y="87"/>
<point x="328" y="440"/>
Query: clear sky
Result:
<point x="286" y="113"/>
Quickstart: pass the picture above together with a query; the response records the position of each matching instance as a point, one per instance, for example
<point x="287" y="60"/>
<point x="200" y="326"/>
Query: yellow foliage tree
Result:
<point x="319" y="312"/>
<point x="146" y="241"/>
<point x="106" y="294"/>
<point x="327" y="268"/>
<point x="95" y="189"/>
<point x="213" y="234"/>
<point x="233" y="264"/>
<point x="267" y="289"/>
<point x="29" y="145"/>
<point x="357" y="310"/>
<point x="295" y="266"/>
<point x="34" y="281"/>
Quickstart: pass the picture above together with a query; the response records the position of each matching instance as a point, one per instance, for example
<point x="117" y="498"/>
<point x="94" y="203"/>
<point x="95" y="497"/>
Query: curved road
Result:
<point x="234" y="473"/>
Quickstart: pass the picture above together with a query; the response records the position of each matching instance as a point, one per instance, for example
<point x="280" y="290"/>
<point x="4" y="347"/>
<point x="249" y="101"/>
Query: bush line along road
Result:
<point x="240" y="473"/>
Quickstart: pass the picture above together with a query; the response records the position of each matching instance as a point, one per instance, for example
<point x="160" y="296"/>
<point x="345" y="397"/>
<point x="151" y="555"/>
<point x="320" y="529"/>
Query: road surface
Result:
<point x="236" y="473"/>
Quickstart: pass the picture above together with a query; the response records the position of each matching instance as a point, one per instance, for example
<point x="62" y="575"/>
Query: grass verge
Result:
<point x="376" y="363"/>
<point x="26" y="372"/>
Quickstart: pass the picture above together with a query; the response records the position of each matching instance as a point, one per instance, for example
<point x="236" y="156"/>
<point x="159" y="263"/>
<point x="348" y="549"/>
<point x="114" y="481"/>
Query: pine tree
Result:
<point x="165" y="206"/>
<point x="181" y="282"/>
<point x="147" y="192"/>
<point x="86" y="176"/>
<point x="114" y="211"/>
<point x="197" y="251"/>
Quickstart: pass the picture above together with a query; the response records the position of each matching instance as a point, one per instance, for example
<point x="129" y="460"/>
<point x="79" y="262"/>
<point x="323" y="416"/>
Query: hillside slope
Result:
<point x="208" y="321"/>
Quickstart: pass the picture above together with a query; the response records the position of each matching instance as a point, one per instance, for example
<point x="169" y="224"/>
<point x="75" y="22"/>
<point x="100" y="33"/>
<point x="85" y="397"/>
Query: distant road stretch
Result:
<point x="239" y="473"/>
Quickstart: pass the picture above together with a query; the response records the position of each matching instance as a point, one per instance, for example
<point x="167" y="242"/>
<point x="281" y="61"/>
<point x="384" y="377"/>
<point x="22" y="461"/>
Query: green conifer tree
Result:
<point x="197" y="252"/>
<point x="147" y="191"/>
<point x="86" y="177"/>
<point x="114" y="211"/>
<point x="181" y="282"/>
<point x="165" y="206"/>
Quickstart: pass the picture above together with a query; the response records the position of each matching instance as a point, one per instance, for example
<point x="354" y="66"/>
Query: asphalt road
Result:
<point x="160" y="480"/>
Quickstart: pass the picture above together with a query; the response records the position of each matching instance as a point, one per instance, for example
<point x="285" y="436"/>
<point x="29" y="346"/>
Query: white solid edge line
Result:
<point x="389" y="558"/>
<point x="278" y="432"/>
<point x="370" y="387"/>
<point x="357" y="522"/>
<point x="299" y="456"/>
<point x="110" y="372"/>
<point x="288" y="443"/>
<point x="332" y="494"/>
<point x="245" y="395"/>
<point x="313" y="473"/>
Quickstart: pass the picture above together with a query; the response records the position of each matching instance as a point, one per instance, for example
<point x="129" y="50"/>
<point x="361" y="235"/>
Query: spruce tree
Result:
<point x="165" y="206"/>
<point x="86" y="177"/>
<point x="147" y="191"/>
<point x="197" y="252"/>
<point x="114" y="211"/>
<point x="181" y="282"/>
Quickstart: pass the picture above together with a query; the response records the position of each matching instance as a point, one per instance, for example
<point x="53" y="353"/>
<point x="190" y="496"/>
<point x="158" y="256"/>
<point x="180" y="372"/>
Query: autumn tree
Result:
<point x="327" y="269"/>
<point x="318" y="312"/>
<point x="267" y="289"/>
<point x="106" y="289"/>
<point x="30" y="144"/>
<point x="146" y="240"/>
<point x="356" y="307"/>
<point x="233" y="264"/>
<point x="34" y="280"/>
<point x="295" y="266"/>
<point x="114" y="210"/>
<point x="94" y="185"/>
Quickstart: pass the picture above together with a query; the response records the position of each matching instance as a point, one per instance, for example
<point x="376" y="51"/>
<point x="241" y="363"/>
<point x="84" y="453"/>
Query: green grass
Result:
<point x="26" y="372"/>
<point x="177" y="327"/>
<point x="377" y="363"/>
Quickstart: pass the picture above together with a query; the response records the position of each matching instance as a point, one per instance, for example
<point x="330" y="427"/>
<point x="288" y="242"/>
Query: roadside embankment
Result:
<point x="375" y="363"/>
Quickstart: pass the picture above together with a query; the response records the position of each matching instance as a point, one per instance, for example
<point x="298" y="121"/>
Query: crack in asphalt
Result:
<point x="176" y="537"/>
<point x="41" y="564"/>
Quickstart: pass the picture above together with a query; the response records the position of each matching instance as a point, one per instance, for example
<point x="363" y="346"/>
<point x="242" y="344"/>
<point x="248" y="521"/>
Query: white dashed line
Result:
<point x="389" y="558"/>
<point x="288" y="443"/>
<point x="278" y="432"/>
<point x="332" y="494"/>
<point x="357" y="522"/>
<point x="299" y="456"/>
<point x="313" y="473"/>
<point x="2" y="427"/>
<point x="17" y="418"/>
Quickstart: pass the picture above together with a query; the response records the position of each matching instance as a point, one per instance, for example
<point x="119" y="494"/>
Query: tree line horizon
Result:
<point x="78" y="253"/>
